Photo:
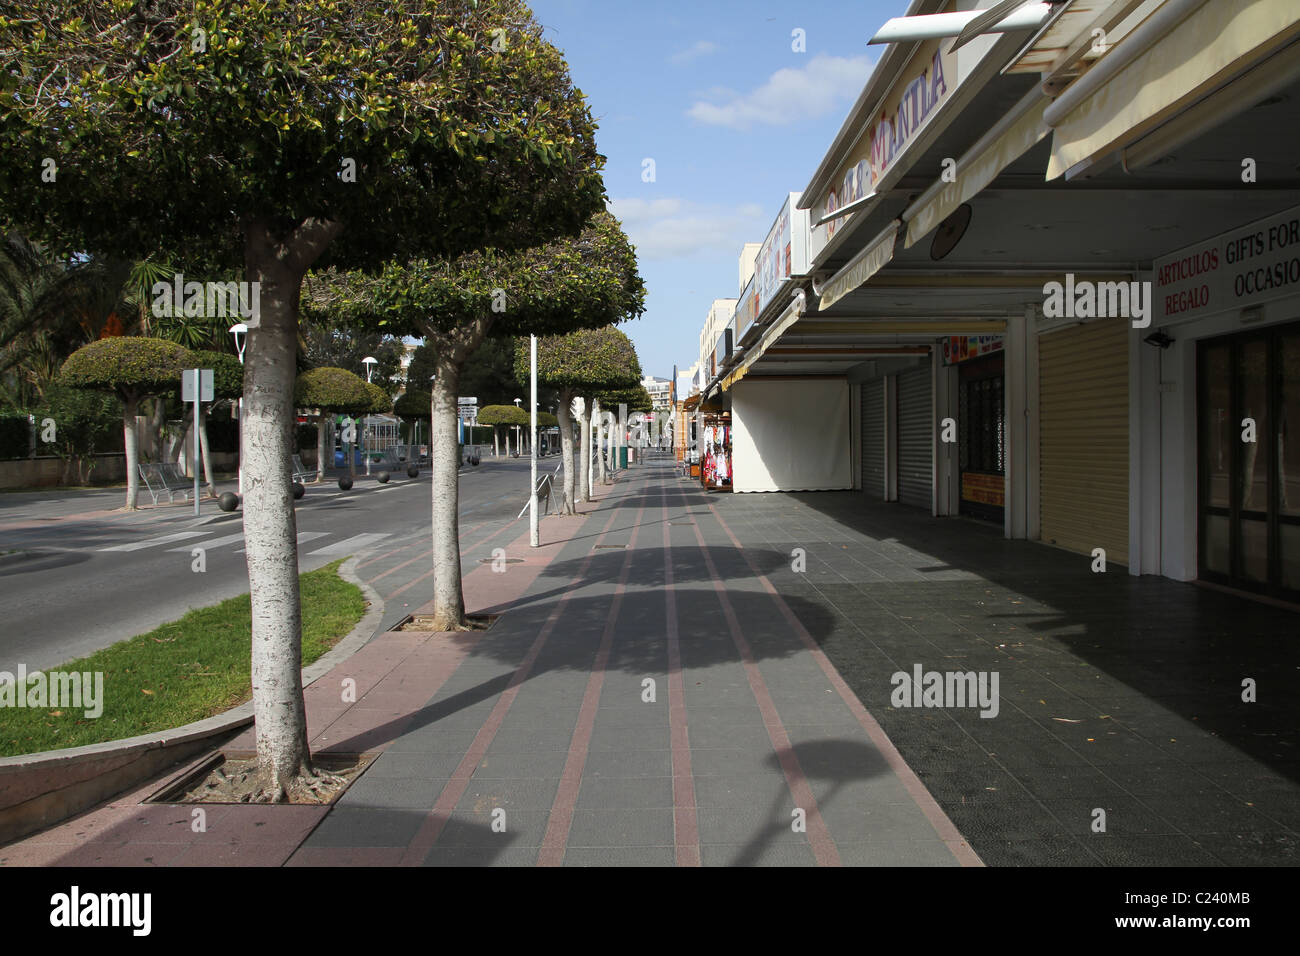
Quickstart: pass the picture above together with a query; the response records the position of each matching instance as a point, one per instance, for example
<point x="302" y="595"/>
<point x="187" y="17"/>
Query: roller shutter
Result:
<point x="915" y="472"/>
<point x="1083" y="438"/>
<point x="873" y="439"/>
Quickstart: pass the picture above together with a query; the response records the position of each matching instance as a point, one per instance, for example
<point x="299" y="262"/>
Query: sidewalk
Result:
<point x="747" y="748"/>
<point x="1116" y="693"/>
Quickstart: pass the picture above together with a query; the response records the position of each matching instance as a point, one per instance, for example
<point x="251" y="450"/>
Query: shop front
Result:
<point x="981" y="424"/>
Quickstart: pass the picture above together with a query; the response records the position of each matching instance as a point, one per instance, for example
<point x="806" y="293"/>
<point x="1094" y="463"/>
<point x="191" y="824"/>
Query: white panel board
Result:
<point x="791" y="435"/>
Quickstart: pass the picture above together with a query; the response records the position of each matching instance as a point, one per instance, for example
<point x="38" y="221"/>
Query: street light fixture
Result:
<point x="240" y="332"/>
<point x="369" y="362"/>
<point x="518" y="438"/>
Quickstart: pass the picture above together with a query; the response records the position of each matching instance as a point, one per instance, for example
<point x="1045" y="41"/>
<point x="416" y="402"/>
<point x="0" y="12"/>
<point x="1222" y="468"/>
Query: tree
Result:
<point x="332" y="390"/>
<point x="227" y="385"/>
<point x="579" y="364"/>
<point x="278" y="135"/>
<point x="498" y="415"/>
<point x="453" y="304"/>
<point x="326" y="346"/>
<point x="131" y="368"/>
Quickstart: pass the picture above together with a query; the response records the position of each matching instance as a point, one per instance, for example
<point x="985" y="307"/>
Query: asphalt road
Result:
<point x="80" y="582"/>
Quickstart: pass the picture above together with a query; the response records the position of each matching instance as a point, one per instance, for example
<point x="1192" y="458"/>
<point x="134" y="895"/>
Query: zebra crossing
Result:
<point x="202" y="539"/>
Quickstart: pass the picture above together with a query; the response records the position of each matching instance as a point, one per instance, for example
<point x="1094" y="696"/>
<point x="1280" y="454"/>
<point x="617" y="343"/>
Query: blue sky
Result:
<point x="733" y="118"/>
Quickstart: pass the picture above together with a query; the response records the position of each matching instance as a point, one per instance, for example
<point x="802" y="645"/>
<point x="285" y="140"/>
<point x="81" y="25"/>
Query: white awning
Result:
<point x="997" y="149"/>
<point x="1209" y="48"/>
<point x="860" y="268"/>
<point x="789" y="317"/>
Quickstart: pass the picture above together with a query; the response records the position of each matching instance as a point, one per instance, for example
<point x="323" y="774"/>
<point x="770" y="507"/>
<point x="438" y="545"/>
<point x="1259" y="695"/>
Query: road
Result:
<point x="82" y="581"/>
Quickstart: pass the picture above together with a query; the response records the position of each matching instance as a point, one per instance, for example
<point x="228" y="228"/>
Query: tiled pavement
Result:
<point x="535" y="743"/>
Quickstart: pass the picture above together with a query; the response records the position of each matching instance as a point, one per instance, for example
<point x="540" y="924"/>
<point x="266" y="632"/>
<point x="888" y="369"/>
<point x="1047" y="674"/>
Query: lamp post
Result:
<point x="369" y="362"/>
<point x="240" y="332"/>
<point x="518" y="434"/>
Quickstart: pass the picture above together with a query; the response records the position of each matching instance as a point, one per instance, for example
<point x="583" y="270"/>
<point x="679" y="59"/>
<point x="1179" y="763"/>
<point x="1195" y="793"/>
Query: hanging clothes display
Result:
<point x="715" y="452"/>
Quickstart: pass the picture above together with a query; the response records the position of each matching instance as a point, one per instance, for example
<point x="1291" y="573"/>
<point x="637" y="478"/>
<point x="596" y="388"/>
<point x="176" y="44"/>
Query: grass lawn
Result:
<point x="184" y="671"/>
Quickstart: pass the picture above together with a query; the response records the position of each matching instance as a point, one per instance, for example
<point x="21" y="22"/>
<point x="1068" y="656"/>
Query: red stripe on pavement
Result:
<point x="924" y="800"/>
<point x="819" y="836"/>
<point x="437" y="818"/>
<point x="566" y="797"/>
<point x="686" y="830"/>
<point x="428" y="574"/>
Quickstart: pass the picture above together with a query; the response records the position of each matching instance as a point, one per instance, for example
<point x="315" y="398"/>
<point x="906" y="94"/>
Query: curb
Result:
<point x="42" y="789"/>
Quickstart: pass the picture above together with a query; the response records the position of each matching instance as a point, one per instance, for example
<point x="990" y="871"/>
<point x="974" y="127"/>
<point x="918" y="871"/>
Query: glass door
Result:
<point x="1248" y="394"/>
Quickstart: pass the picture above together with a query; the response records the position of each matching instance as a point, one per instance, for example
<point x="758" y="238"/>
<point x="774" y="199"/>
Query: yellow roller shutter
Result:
<point x="1083" y="437"/>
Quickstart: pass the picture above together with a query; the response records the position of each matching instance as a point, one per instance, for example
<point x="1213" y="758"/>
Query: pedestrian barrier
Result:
<point x="545" y="492"/>
<point x="165" y="478"/>
<point x="301" y="472"/>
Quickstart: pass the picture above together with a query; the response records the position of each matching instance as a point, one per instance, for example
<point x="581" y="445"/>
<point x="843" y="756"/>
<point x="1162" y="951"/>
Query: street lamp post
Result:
<point x="518" y="433"/>
<point x="240" y="332"/>
<point x="369" y="362"/>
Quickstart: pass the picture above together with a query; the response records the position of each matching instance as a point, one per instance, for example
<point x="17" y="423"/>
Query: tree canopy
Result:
<point x="128" y="366"/>
<point x="334" y="390"/>
<point x="171" y="125"/>
<point x="413" y="405"/>
<point x="503" y="415"/>
<point x="583" y="362"/>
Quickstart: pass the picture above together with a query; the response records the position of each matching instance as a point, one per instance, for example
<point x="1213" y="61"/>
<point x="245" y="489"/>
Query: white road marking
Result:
<point x="303" y="536"/>
<point x="155" y="542"/>
<point x="351" y="545"/>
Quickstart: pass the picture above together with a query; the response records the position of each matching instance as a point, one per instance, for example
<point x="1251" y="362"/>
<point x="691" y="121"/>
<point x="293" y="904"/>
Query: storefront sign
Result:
<point x="783" y="253"/>
<point x="983" y="489"/>
<point x="921" y="89"/>
<point x="960" y="348"/>
<point x="1253" y="264"/>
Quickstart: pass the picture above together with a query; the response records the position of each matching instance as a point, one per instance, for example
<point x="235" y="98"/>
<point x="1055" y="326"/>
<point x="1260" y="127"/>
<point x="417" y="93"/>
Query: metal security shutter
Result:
<point x="1083" y="438"/>
<point x="873" y="439"/>
<point x="915" y="473"/>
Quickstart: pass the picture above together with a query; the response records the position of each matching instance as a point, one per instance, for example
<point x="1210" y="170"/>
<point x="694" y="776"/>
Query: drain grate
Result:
<point x="609" y="547"/>
<point x="506" y="560"/>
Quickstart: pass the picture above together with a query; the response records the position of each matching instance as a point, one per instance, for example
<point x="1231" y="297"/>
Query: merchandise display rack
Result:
<point x="715" y="452"/>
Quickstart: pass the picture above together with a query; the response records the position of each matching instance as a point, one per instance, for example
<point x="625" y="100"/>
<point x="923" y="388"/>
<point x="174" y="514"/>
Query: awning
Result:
<point x="1209" y="48"/>
<point x="792" y="314"/>
<point x="997" y="149"/>
<point x="860" y="268"/>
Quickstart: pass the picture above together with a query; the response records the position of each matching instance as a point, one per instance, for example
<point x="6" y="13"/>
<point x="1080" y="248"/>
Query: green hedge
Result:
<point x="15" y="432"/>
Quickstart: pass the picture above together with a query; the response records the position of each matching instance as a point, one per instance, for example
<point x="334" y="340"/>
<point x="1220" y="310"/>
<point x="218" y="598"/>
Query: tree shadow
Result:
<point x="835" y="761"/>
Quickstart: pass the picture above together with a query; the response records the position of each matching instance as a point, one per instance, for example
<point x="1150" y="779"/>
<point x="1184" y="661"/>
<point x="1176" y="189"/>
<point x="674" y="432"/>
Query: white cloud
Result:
<point x="678" y="228"/>
<point x="695" y="51"/>
<point x="789" y="95"/>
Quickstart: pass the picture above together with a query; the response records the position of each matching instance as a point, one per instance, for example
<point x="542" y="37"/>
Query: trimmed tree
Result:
<point x="336" y="391"/>
<point x="577" y="364"/>
<point x="499" y="415"/>
<point x="132" y="369"/>
<point x="586" y="282"/>
<point x="278" y="135"/>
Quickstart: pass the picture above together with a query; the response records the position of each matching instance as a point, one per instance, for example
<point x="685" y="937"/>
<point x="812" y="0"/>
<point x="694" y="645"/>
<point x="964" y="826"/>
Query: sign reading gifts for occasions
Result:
<point x="1249" y="265"/>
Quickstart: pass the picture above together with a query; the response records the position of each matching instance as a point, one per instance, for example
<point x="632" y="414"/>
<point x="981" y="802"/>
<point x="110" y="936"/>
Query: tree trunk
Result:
<point x="206" y="454"/>
<point x="130" y="444"/>
<point x="584" y="476"/>
<point x="496" y="442"/>
<point x="322" y="427"/>
<point x="270" y="526"/>
<point x="566" y="448"/>
<point x="444" y="452"/>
